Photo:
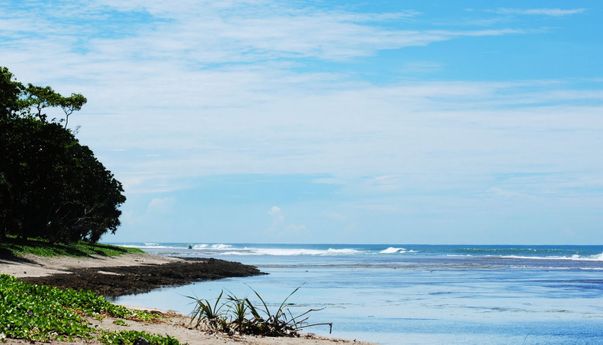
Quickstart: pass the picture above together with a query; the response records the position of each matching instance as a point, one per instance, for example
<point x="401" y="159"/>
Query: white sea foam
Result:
<point x="292" y="252"/>
<point x="575" y="257"/>
<point x="393" y="250"/>
<point x="129" y="245"/>
<point x="289" y="251"/>
<point x="597" y="257"/>
<point x="148" y="246"/>
<point x="218" y="246"/>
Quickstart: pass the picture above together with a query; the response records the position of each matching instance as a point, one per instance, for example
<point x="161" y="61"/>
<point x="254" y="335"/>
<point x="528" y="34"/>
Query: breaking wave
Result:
<point x="395" y="250"/>
<point x="218" y="246"/>
<point x="222" y="249"/>
<point x="575" y="257"/>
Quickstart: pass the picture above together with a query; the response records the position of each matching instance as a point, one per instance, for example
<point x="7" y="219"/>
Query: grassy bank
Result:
<point x="16" y="247"/>
<point x="42" y="313"/>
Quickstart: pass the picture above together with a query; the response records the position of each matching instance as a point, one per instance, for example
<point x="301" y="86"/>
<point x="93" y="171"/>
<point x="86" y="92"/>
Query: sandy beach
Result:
<point x="34" y="268"/>
<point x="178" y="326"/>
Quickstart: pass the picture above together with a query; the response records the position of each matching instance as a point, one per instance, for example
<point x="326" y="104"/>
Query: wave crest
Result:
<point x="575" y="257"/>
<point x="292" y="252"/>
<point x="224" y="249"/>
<point x="393" y="250"/>
<point x="217" y="246"/>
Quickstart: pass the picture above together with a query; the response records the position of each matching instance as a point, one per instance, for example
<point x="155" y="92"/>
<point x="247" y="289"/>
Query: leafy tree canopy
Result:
<point x="51" y="186"/>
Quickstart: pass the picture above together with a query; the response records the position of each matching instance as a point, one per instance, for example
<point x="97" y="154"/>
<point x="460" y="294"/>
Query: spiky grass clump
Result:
<point x="242" y="316"/>
<point x="209" y="313"/>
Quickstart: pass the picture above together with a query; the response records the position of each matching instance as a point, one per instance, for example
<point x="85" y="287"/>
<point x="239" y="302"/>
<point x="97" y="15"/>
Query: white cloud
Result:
<point x="504" y="193"/>
<point x="552" y="12"/>
<point x="162" y="205"/>
<point x="413" y="128"/>
<point x="212" y="88"/>
<point x="280" y="227"/>
<point x="278" y="217"/>
<point x="195" y="33"/>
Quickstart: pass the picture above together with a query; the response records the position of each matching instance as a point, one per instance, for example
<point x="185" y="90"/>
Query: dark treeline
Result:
<point x="51" y="186"/>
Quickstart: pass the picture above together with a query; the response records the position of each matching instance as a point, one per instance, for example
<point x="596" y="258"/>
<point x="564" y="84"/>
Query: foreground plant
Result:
<point x="136" y="337"/>
<point x="242" y="316"/>
<point x="43" y="313"/>
<point x="210" y="314"/>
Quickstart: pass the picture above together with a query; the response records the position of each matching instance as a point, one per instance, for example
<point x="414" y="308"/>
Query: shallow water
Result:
<point x="407" y="294"/>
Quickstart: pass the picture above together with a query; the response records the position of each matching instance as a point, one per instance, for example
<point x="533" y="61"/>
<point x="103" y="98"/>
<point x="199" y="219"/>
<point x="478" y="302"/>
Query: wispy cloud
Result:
<point x="552" y="12"/>
<point x="201" y="88"/>
<point x="280" y="227"/>
<point x="197" y="33"/>
<point x="182" y="90"/>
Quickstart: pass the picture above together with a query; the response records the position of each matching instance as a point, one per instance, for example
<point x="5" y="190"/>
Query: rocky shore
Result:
<point x="117" y="281"/>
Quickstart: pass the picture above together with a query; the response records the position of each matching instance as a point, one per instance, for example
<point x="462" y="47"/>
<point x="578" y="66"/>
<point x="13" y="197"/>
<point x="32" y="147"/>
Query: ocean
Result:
<point x="414" y="294"/>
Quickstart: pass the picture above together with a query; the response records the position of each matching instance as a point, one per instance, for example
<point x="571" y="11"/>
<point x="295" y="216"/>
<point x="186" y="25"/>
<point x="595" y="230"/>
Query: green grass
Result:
<point x="43" y="313"/>
<point x="15" y="247"/>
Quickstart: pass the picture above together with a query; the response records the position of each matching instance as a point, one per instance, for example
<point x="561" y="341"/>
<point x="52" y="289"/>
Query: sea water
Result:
<point x="414" y="294"/>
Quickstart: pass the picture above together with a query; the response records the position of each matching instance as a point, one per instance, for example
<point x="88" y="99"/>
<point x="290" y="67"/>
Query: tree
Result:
<point x="35" y="99"/>
<point x="10" y="90"/>
<point x="51" y="186"/>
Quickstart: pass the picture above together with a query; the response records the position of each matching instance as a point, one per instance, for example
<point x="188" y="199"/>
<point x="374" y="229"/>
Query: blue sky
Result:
<point x="333" y="121"/>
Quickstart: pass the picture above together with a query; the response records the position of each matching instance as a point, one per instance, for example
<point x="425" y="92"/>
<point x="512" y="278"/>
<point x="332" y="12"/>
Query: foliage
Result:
<point x="36" y="98"/>
<point x="209" y="313"/>
<point x="24" y="315"/>
<point x="120" y="322"/>
<point x="242" y="316"/>
<point x="41" y="313"/>
<point x="18" y="100"/>
<point x="51" y="186"/>
<point x="41" y="247"/>
<point x="10" y="91"/>
<point x="135" y="337"/>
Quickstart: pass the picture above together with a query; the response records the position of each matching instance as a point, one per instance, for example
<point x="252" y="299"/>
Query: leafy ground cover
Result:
<point x="15" y="247"/>
<point x="43" y="313"/>
<point x="134" y="337"/>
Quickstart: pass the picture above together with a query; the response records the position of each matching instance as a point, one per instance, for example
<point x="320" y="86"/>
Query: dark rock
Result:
<point x="144" y="278"/>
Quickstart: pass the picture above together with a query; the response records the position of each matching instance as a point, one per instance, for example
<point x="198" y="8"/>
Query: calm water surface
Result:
<point x="416" y="294"/>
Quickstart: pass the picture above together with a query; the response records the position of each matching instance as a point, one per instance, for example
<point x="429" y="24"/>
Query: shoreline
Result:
<point x="122" y="275"/>
<point x="115" y="281"/>
<point x="139" y="273"/>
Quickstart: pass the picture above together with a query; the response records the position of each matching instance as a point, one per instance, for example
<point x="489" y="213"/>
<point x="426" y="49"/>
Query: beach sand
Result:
<point x="38" y="266"/>
<point x="178" y="327"/>
<point x="32" y="267"/>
